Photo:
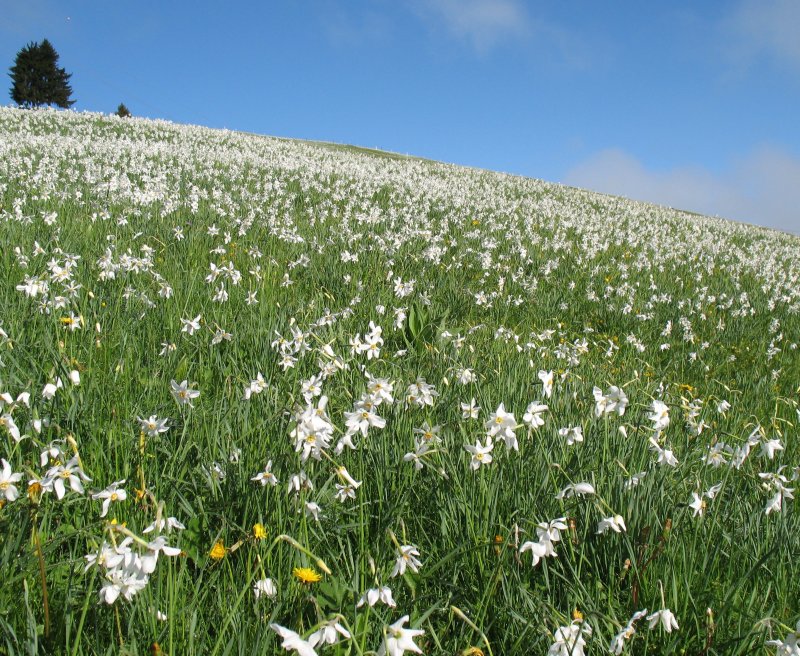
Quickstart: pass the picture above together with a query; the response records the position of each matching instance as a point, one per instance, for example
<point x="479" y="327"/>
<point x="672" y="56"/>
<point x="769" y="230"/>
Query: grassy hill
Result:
<point x="528" y="416"/>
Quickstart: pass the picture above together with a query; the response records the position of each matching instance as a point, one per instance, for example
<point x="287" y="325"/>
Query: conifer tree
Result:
<point x="37" y="79"/>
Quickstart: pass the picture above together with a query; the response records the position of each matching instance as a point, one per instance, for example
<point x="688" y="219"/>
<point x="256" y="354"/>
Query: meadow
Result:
<point x="261" y="394"/>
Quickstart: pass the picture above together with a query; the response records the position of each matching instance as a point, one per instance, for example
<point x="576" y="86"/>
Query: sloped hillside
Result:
<point x="260" y="392"/>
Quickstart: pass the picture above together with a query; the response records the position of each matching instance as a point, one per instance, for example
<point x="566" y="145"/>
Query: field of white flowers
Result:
<point x="258" y="393"/>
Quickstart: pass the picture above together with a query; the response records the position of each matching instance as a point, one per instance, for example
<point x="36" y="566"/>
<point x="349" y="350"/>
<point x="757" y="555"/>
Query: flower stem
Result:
<point x="457" y="611"/>
<point x="40" y="556"/>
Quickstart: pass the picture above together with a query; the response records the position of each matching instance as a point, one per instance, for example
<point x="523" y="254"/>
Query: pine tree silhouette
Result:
<point x="37" y="79"/>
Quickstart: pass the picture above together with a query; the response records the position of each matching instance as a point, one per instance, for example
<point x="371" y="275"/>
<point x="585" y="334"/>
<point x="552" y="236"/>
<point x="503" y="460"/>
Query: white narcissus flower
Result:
<point x="399" y="640"/>
<point x="7" y="400"/>
<point x="466" y="376"/>
<point x="407" y="558"/>
<point x="372" y="342"/>
<point x="420" y="450"/>
<point x="618" y="641"/>
<point x="578" y="489"/>
<point x="659" y="415"/>
<point x="569" y="640"/>
<point x="112" y="493"/>
<point x="769" y="447"/>
<point x="154" y="549"/>
<point x="665" y="618"/>
<point x="362" y="418"/>
<point x="428" y="433"/>
<point x="7" y="479"/>
<point x="539" y="550"/>
<point x="470" y="410"/>
<point x="50" y="389"/>
<point x="421" y="393"/>
<point x="533" y="415"/>
<point x="614" y="400"/>
<point x="122" y="582"/>
<point x="153" y="426"/>
<point x="547" y="381"/>
<point x="8" y="421"/>
<point x="291" y="640"/>
<point x="615" y="523"/>
<point x="345" y="492"/>
<point x="380" y="389"/>
<point x="190" y="325"/>
<point x="374" y="595"/>
<point x="665" y="456"/>
<point x="698" y="505"/>
<point x="328" y="633"/>
<point x="481" y="455"/>
<point x="183" y="393"/>
<point x="56" y="477"/>
<point x="170" y="523"/>
<point x="313" y="509"/>
<point x="551" y="531"/>
<point x="789" y="646"/>
<point x="573" y="434"/>
<point x="502" y="424"/>
<point x="265" y="587"/>
<point x="346" y="477"/>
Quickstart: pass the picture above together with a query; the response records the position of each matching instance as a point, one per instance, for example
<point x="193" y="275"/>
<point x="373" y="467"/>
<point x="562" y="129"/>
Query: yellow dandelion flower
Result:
<point x="218" y="550"/>
<point x="306" y="575"/>
<point x="472" y="651"/>
<point x="577" y="615"/>
<point x="259" y="532"/>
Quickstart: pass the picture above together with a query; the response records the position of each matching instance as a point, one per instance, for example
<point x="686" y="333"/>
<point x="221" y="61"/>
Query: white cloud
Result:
<point x="762" y="187"/>
<point x="766" y="27"/>
<point x="484" y="23"/>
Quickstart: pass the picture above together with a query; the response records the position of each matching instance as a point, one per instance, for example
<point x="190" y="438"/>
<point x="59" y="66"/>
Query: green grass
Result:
<point x="606" y="276"/>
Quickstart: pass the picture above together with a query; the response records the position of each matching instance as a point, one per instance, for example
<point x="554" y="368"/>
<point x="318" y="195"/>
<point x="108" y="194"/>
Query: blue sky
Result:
<point x="689" y="104"/>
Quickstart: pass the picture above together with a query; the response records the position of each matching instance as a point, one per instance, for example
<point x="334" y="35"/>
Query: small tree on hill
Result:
<point x="123" y="112"/>
<point x="37" y="79"/>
